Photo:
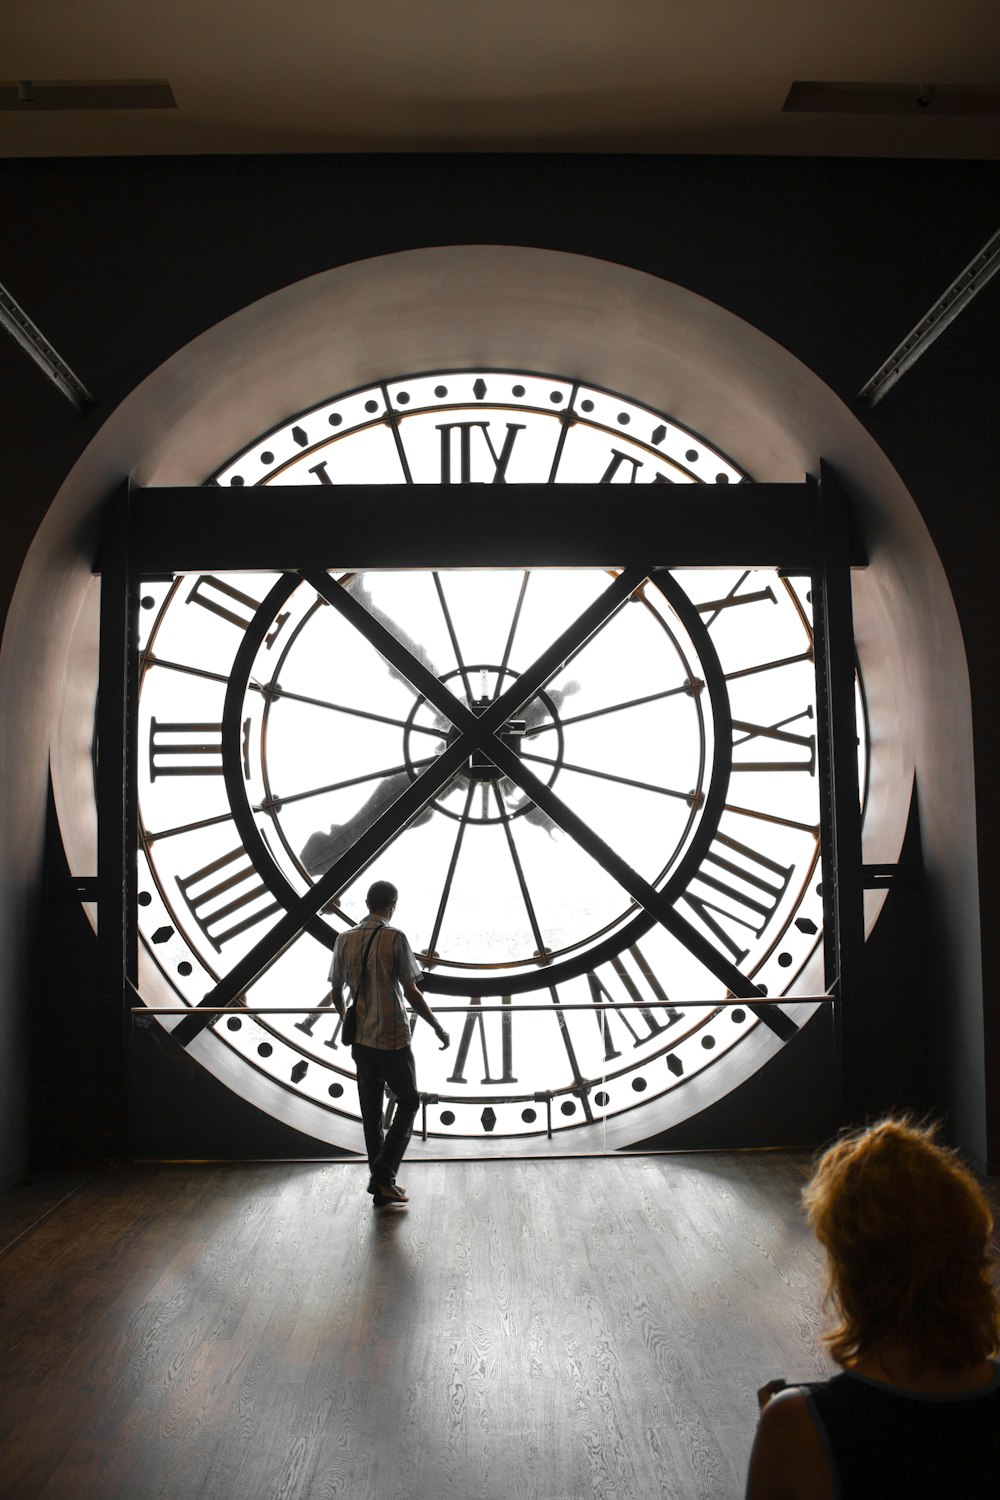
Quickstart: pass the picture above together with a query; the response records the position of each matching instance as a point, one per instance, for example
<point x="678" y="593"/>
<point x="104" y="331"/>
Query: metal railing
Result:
<point x="480" y="1010"/>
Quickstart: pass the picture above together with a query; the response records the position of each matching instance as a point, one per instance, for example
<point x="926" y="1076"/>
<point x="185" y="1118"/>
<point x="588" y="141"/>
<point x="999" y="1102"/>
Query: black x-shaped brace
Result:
<point x="480" y="732"/>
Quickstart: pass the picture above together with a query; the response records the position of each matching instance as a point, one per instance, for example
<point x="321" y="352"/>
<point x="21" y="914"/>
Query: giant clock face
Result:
<point x="680" y="730"/>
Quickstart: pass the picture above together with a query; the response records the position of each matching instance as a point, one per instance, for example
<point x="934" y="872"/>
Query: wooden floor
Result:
<point x="523" y="1331"/>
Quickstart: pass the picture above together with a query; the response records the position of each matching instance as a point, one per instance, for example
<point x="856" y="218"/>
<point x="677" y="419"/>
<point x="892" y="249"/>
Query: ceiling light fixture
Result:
<point x="891" y="99"/>
<point x="27" y="96"/>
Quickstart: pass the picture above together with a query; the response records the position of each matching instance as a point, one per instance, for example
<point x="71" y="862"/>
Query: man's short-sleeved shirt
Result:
<point x="390" y="964"/>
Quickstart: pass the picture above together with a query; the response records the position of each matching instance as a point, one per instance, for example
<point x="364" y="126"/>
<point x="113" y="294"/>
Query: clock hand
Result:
<point x="322" y="850"/>
<point x="358" y="590"/>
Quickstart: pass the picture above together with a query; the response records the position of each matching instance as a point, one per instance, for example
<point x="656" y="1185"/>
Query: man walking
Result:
<point x="376" y="963"/>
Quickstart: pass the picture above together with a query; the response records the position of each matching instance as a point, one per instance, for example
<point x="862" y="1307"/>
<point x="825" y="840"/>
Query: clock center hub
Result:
<point x="540" y="714"/>
<point x="479" y="767"/>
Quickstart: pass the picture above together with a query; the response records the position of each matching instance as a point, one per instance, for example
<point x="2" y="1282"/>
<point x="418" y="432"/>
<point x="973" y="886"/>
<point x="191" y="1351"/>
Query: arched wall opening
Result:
<point x="504" y="307"/>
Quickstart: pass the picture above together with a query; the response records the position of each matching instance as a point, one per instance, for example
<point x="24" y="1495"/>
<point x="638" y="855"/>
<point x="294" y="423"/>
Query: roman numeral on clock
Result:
<point x="308" y="1023"/>
<point x="475" y="1024"/>
<point x="230" y="604"/>
<point x="184" y="748"/>
<point x="464" y="444"/>
<point x="651" y="1022"/>
<point x="635" y="464"/>
<point x="779" y="738"/>
<point x="220" y="891"/>
<point x="734" y="599"/>
<point x="735" y="891"/>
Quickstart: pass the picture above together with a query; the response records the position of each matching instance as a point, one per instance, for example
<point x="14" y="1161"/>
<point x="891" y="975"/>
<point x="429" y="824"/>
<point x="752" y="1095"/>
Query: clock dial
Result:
<point x="622" y="733"/>
<point x="679" y="734"/>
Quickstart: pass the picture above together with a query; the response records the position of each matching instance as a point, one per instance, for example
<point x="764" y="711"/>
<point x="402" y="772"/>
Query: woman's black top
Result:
<point x="883" y="1441"/>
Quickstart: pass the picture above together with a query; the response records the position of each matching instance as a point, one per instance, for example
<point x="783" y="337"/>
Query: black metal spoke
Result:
<point x="643" y="786"/>
<point x="343" y="708"/>
<point x="452" y="636"/>
<point x="737" y="601"/>
<point x="615" y="708"/>
<point x="149" y="660"/>
<point x="567" y="416"/>
<point x="511" y="633"/>
<point x="446" y="889"/>
<point x="286" y="695"/>
<point x="404" y="462"/>
<point x="169" y="833"/>
<point x="769" y="666"/>
<point x="336" y="786"/>
<point x="519" y="871"/>
<point x="718" y="605"/>
<point x="770" y="732"/>
<point x="766" y="817"/>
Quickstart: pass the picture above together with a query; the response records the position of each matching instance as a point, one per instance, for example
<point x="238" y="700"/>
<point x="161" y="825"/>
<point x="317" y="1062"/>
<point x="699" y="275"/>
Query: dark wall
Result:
<point x="121" y="262"/>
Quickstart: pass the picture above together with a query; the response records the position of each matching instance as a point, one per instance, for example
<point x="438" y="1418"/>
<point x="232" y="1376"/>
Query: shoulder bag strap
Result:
<point x="364" y="965"/>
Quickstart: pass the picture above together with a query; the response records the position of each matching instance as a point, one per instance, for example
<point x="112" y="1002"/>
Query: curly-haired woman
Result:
<point x="916" y="1411"/>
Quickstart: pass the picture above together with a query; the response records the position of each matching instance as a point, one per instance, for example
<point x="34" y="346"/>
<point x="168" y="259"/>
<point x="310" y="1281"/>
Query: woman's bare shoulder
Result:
<point x="788" y="1461"/>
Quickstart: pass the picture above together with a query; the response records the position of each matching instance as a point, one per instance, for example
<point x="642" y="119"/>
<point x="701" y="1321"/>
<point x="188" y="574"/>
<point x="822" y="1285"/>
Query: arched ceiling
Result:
<point x="687" y="76"/>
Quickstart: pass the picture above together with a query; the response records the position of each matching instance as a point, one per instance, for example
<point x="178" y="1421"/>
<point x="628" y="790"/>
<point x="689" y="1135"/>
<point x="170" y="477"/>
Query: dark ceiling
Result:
<point x="676" y="76"/>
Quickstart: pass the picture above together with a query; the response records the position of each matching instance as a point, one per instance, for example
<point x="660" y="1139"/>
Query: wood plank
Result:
<point x="586" y="1328"/>
<point x="23" y="1207"/>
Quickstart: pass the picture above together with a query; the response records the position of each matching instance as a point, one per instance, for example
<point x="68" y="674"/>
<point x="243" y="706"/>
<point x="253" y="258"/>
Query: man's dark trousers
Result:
<point x="377" y="1070"/>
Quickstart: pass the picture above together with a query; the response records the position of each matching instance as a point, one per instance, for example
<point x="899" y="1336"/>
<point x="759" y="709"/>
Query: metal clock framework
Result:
<point x="603" y="788"/>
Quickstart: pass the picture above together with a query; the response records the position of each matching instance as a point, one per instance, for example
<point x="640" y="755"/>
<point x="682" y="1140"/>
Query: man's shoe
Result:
<point x="386" y="1193"/>
<point x="374" y="1186"/>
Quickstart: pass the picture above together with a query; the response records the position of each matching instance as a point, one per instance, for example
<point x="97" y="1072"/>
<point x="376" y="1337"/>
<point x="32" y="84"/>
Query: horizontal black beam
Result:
<point x="353" y="527"/>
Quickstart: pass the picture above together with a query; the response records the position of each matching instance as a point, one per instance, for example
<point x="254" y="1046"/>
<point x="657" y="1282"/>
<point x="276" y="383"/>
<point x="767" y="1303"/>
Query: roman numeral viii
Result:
<point x="224" y="897"/>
